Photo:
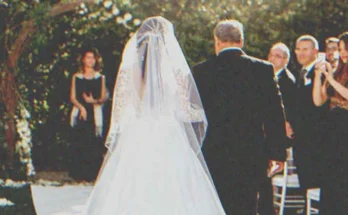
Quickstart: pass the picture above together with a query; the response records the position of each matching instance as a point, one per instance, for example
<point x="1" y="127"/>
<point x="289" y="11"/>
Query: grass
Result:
<point x="16" y="199"/>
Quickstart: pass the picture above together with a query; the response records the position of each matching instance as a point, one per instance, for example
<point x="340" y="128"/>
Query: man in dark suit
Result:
<point x="279" y="56"/>
<point x="308" y="118"/>
<point x="242" y="103"/>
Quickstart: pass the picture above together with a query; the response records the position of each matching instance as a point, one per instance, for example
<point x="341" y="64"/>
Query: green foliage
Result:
<point x="49" y="59"/>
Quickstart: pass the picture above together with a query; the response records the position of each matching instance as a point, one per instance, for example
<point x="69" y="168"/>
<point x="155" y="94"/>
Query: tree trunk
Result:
<point x="9" y="89"/>
<point x="9" y="97"/>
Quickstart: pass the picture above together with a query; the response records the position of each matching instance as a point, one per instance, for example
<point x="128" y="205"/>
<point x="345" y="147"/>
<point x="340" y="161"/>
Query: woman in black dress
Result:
<point x="88" y="93"/>
<point x="334" y="160"/>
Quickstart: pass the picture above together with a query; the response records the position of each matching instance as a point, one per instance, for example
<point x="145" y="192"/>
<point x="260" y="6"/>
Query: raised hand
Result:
<point x="89" y="98"/>
<point x="329" y="72"/>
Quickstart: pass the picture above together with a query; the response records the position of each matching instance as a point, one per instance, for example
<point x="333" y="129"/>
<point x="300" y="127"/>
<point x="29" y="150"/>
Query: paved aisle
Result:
<point x="64" y="200"/>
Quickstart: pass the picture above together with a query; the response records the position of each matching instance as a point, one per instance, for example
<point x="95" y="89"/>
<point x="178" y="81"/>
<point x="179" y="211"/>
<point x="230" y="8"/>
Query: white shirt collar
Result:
<point x="277" y="73"/>
<point x="308" y="81"/>
<point x="310" y="66"/>
<point x="230" y="48"/>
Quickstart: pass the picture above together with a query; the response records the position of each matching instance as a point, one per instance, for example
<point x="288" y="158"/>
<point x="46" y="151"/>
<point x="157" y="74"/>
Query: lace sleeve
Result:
<point x="189" y="111"/>
<point x="119" y="100"/>
<point x="120" y="95"/>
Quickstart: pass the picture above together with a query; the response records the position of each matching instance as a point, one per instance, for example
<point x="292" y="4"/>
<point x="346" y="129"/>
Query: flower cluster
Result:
<point x="24" y="144"/>
<point x="4" y="202"/>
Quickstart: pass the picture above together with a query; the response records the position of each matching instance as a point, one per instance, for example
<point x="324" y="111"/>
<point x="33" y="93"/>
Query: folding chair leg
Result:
<point x="282" y="201"/>
<point x="309" y="205"/>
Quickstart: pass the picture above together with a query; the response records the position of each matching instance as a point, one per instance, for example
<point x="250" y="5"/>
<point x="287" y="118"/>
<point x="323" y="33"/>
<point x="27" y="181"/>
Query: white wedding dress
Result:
<point x="154" y="171"/>
<point x="155" y="165"/>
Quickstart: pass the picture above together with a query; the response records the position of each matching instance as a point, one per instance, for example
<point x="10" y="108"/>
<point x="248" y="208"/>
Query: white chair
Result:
<point x="281" y="182"/>
<point x="312" y="195"/>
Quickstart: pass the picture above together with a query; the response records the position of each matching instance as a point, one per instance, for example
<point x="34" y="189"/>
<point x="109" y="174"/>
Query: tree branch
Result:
<point x="8" y="83"/>
<point x="29" y="27"/>
<point x="67" y="7"/>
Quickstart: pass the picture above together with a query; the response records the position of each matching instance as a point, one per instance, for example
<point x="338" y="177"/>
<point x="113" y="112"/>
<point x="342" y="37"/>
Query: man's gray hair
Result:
<point x="310" y="39"/>
<point x="229" y="31"/>
<point x="282" y="47"/>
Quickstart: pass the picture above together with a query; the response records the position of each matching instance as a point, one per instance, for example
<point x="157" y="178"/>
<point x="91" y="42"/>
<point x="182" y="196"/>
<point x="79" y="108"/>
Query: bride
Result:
<point x="154" y="165"/>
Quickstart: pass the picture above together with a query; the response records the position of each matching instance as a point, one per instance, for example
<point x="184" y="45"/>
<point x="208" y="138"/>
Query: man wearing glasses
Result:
<point x="279" y="56"/>
<point x="331" y="51"/>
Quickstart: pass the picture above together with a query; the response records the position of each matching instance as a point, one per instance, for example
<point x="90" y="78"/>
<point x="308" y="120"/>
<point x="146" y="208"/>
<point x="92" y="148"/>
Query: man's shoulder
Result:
<point x="256" y="61"/>
<point x="259" y="68"/>
<point x="204" y="65"/>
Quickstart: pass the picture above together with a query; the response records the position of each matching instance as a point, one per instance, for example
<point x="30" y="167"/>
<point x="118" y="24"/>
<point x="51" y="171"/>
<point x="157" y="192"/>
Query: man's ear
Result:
<point x="241" y="43"/>
<point x="218" y="42"/>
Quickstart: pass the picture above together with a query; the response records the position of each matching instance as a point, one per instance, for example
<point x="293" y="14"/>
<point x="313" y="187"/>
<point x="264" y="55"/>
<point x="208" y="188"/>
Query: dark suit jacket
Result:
<point x="242" y="105"/>
<point x="287" y="87"/>
<point x="307" y="123"/>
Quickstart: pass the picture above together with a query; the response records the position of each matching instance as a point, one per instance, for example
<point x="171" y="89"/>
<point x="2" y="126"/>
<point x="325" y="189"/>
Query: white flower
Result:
<point x="26" y="139"/>
<point x="30" y="169"/>
<point x="8" y="181"/>
<point x="106" y="16"/>
<point x="4" y="202"/>
<point x="126" y="26"/>
<point x="128" y="16"/>
<point x="136" y="22"/>
<point x="25" y="113"/>
<point x="115" y="10"/>
<point x="107" y="4"/>
<point x="26" y="150"/>
<point x="119" y="20"/>
<point x="64" y="55"/>
<point x="94" y="15"/>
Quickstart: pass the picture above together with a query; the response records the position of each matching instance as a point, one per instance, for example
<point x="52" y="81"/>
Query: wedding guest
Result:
<point x="87" y="94"/>
<point x="279" y="56"/>
<point x="306" y="121"/>
<point x="331" y="51"/>
<point x="334" y="192"/>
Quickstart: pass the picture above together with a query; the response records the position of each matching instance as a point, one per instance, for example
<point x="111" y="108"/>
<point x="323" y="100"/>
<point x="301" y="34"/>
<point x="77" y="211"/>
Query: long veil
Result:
<point x="154" y="82"/>
<point x="154" y="79"/>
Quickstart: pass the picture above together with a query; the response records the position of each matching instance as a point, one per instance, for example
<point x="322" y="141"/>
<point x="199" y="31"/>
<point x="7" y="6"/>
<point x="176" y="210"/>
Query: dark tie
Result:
<point x="301" y="77"/>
